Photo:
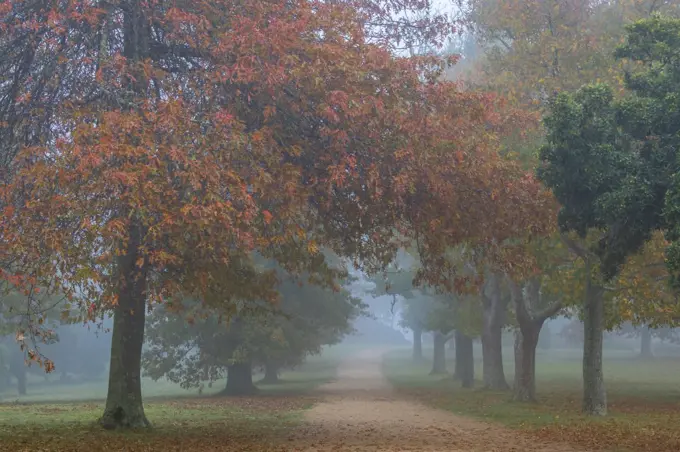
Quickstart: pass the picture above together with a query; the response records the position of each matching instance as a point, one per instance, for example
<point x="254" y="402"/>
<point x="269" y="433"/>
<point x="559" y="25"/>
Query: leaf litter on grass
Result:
<point x="204" y="424"/>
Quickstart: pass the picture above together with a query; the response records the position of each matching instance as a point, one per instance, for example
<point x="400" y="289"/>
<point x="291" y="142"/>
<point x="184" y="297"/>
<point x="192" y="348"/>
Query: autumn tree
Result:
<point x="182" y="138"/>
<point x="175" y="139"/>
<point x="643" y="302"/>
<point x="535" y="48"/>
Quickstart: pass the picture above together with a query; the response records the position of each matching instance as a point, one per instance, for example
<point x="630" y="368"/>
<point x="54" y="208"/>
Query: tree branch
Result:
<point x="575" y="247"/>
<point x="551" y="310"/>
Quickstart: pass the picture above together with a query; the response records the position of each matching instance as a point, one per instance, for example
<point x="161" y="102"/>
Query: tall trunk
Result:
<point x="458" y="370"/>
<point x="452" y="343"/>
<point x="124" y="406"/>
<point x="646" y="342"/>
<point x="465" y="362"/>
<point x="21" y="380"/>
<point x="492" y="340"/>
<point x="240" y="379"/>
<point x="526" y="340"/>
<point x="271" y="372"/>
<point x="439" y="357"/>
<point x="417" y="344"/>
<point x="17" y="367"/>
<point x="594" y="394"/>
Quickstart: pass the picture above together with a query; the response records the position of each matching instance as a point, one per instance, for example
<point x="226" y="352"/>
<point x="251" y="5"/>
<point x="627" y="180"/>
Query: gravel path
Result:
<point x="361" y="412"/>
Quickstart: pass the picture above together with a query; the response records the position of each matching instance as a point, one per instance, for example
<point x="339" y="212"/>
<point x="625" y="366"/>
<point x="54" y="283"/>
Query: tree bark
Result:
<point x="465" y="362"/>
<point x="495" y="307"/>
<point x="452" y="343"/>
<point x="594" y="394"/>
<point x="417" y="344"/>
<point x="526" y="340"/>
<point x="439" y="357"/>
<point x="240" y="380"/>
<point x="271" y="373"/>
<point x="526" y="299"/>
<point x="646" y="342"/>
<point x="124" y="406"/>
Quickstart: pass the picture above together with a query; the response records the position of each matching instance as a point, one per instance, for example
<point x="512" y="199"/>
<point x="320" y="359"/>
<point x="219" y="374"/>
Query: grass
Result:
<point x="644" y="400"/>
<point x="54" y="417"/>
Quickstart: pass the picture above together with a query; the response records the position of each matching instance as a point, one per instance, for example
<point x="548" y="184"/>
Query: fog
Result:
<point x="359" y="225"/>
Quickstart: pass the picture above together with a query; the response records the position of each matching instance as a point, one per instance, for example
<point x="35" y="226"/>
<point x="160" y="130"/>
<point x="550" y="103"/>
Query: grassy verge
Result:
<point x="183" y="421"/>
<point x="644" y="401"/>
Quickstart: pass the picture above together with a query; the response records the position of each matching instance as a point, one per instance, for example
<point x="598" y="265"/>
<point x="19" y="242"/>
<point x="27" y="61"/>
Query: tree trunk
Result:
<point x="465" y="362"/>
<point x="439" y="358"/>
<point x="526" y="298"/>
<point x="495" y="307"/>
<point x="124" y="406"/>
<point x="458" y="372"/>
<point x="526" y="340"/>
<point x="271" y="373"/>
<point x="594" y="394"/>
<point x="240" y="380"/>
<point x="20" y="373"/>
<point x="452" y="343"/>
<point x="417" y="344"/>
<point x="646" y="343"/>
<point x="17" y="367"/>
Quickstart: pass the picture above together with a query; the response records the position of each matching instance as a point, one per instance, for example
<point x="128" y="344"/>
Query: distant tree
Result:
<point x="440" y="320"/>
<point x="203" y="347"/>
<point x="396" y="281"/>
<point x="413" y="317"/>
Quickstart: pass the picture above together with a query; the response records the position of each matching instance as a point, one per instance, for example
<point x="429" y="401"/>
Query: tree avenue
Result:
<point x="206" y="171"/>
<point x="152" y="147"/>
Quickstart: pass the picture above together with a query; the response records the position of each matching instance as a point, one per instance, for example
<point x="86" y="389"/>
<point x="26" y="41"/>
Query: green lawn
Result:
<point x="644" y="399"/>
<point x="63" y="417"/>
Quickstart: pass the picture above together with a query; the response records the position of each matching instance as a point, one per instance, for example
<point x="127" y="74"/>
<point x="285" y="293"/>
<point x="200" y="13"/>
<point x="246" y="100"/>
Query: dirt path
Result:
<point x="361" y="412"/>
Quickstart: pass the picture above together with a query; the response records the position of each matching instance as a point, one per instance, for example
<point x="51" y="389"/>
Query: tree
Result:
<point x="536" y="297"/>
<point x="203" y="348"/>
<point x="609" y="174"/>
<point x="187" y="135"/>
<point x="532" y="310"/>
<point x="438" y="317"/>
<point x="580" y="133"/>
<point x="397" y="281"/>
<point x="414" y="316"/>
<point x="533" y="48"/>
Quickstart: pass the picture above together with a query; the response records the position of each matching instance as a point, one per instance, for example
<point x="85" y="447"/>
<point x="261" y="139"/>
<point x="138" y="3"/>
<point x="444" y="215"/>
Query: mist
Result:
<point x="361" y="225"/>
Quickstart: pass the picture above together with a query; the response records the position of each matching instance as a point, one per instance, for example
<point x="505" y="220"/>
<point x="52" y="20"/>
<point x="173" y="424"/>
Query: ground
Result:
<point x="360" y="411"/>
<point x="366" y="401"/>
<point x="643" y="394"/>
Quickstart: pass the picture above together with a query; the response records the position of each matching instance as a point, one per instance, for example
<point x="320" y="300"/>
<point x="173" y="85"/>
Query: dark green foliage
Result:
<point x="198" y="346"/>
<point x="613" y="165"/>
